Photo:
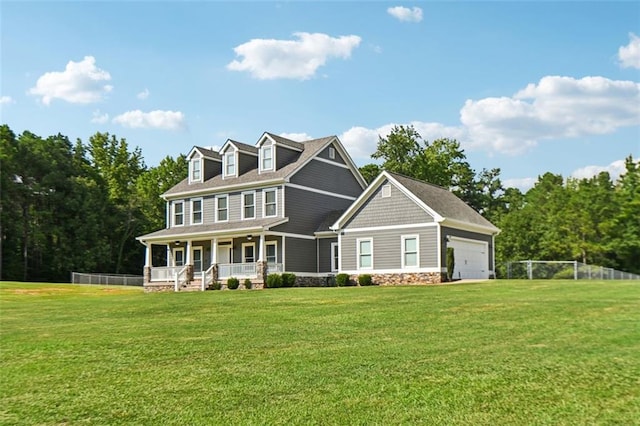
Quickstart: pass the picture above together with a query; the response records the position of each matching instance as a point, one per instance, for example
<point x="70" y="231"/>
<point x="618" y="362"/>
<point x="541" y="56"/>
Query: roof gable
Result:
<point x="204" y="152"/>
<point x="444" y="206"/>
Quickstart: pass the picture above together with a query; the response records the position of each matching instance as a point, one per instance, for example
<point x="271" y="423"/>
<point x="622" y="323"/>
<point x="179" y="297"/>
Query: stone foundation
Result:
<point x="311" y="281"/>
<point x="408" y="278"/>
<point x="158" y="287"/>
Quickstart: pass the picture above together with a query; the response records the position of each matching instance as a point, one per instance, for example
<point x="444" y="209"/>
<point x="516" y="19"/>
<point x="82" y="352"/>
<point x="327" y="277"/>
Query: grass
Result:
<point x="501" y="352"/>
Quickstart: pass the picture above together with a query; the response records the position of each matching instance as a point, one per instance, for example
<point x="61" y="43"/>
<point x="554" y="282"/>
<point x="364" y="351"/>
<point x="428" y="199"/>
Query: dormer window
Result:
<point x="266" y="156"/>
<point x="196" y="169"/>
<point x="230" y="164"/>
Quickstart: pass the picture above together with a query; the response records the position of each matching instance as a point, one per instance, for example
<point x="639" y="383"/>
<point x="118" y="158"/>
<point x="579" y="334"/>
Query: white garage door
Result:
<point x="471" y="259"/>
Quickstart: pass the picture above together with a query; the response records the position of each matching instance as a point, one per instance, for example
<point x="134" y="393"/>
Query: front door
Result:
<point x="225" y="253"/>
<point x="197" y="262"/>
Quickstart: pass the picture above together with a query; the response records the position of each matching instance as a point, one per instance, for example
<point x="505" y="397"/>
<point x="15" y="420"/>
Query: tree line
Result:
<point x="79" y="206"/>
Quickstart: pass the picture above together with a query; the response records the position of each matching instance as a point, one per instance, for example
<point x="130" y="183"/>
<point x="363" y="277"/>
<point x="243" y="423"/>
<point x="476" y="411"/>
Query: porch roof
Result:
<point x="225" y="228"/>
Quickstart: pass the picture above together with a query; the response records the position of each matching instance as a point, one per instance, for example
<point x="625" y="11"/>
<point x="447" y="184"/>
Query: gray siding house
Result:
<point x="399" y="228"/>
<point x="249" y="210"/>
<point x="302" y="207"/>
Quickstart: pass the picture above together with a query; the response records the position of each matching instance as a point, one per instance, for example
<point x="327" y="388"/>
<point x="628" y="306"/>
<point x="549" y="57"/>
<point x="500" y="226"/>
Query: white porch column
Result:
<point x="188" y="253"/>
<point x="214" y="251"/>
<point x="261" y="248"/>
<point x="169" y="254"/>
<point x="147" y="254"/>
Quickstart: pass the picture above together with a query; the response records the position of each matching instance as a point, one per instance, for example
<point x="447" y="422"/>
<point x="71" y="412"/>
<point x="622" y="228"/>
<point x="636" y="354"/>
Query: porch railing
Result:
<point x="181" y="278"/>
<point x="207" y="278"/>
<point x="274" y="268"/>
<point x="164" y="273"/>
<point x="226" y="270"/>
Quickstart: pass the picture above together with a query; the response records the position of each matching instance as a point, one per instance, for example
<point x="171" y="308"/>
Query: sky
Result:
<point x="526" y="87"/>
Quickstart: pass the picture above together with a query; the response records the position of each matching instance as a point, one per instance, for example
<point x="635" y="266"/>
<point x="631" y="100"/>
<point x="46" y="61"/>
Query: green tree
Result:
<point x="369" y="172"/>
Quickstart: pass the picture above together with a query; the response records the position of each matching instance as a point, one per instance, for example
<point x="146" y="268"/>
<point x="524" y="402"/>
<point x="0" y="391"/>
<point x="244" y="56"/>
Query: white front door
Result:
<point x="197" y="261"/>
<point x="225" y="254"/>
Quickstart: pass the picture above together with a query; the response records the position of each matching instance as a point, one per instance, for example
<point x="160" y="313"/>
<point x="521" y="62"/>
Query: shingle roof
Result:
<point x="284" y="141"/>
<point x="244" y="146"/>
<point x="180" y="232"/>
<point x="209" y="152"/>
<point x="311" y="148"/>
<point x="442" y="201"/>
<point x="329" y="220"/>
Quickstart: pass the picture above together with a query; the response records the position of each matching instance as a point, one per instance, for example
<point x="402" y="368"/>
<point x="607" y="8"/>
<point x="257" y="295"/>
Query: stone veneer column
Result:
<point x="261" y="270"/>
<point x="147" y="274"/>
<point x="214" y="273"/>
<point x="189" y="273"/>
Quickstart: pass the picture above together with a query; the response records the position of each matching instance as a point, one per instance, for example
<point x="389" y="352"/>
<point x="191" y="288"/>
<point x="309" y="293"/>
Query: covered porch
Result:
<point x="196" y="263"/>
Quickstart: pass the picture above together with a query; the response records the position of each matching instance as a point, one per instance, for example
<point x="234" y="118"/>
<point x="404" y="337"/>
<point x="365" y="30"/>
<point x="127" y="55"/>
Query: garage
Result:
<point x="471" y="258"/>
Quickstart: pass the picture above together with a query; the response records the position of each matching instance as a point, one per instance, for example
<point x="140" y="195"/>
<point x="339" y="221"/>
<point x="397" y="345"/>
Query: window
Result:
<point x="196" y="170"/>
<point x="230" y="164"/>
<point x="272" y="252"/>
<point x="178" y="213"/>
<point x="267" y="158"/>
<point x="196" y="211"/>
<point x="222" y="208"/>
<point x="332" y="153"/>
<point x="335" y="265"/>
<point x="249" y="205"/>
<point x="178" y="256"/>
<point x="386" y="191"/>
<point x="270" y="203"/>
<point x="248" y="252"/>
<point x="410" y="251"/>
<point x="365" y="253"/>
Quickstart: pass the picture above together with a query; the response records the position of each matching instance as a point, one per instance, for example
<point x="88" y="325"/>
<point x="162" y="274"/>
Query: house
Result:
<point x="399" y="228"/>
<point x="249" y="210"/>
<point x="280" y="205"/>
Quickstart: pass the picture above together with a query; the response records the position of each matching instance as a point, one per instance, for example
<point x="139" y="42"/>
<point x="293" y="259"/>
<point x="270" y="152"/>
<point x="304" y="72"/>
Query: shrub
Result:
<point x="288" y="279"/>
<point x="247" y="284"/>
<point x="365" y="279"/>
<point x="216" y="285"/>
<point x="451" y="262"/>
<point x="565" y="274"/>
<point x="343" y="280"/>
<point x="233" y="283"/>
<point x="274" y="281"/>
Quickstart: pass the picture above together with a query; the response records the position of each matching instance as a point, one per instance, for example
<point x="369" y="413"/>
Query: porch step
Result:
<point x="192" y="286"/>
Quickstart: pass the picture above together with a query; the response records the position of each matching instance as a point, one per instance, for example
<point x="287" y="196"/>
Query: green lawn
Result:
<point x="501" y="352"/>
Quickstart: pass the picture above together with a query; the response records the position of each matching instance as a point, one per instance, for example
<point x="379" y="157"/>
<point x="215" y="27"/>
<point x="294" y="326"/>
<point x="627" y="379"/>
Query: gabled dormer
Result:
<point x="203" y="164"/>
<point x="237" y="158"/>
<point x="276" y="152"/>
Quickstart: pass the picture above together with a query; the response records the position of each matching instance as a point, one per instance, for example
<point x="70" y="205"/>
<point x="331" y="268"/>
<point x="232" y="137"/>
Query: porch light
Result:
<point x="177" y="243"/>
<point x="249" y="237"/>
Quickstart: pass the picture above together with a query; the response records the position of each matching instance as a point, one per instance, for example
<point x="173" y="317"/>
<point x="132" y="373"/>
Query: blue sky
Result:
<point x="528" y="87"/>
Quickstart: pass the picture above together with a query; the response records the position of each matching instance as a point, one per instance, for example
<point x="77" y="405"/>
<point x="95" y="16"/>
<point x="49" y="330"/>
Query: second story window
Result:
<point x="267" y="158"/>
<point x="230" y="164"/>
<point x="196" y="211"/>
<point x="270" y="205"/>
<point x="222" y="208"/>
<point x="196" y="170"/>
<point x="178" y="213"/>
<point x="248" y="205"/>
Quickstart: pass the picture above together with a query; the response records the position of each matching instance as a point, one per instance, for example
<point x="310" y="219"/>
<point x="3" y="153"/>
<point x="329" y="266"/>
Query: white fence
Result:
<point x="572" y="270"/>
<point x="106" y="279"/>
<point x="226" y="270"/>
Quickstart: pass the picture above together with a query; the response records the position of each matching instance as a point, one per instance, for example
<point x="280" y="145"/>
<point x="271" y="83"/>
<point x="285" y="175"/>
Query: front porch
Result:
<point x="199" y="264"/>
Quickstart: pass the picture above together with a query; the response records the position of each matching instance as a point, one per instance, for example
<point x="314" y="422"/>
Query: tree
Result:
<point x="369" y="172"/>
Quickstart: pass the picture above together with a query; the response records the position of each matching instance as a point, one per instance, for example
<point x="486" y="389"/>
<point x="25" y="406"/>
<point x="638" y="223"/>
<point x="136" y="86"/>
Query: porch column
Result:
<point x="261" y="248"/>
<point x="187" y="248"/>
<point x="147" y="254"/>
<point x="214" y="251"/>
<point x="169" y="254"/>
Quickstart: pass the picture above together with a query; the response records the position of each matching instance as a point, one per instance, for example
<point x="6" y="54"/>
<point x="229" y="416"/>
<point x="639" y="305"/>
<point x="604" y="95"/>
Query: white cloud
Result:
<point x="406" y="14"/>
<point x="268" y="59"/>
<point x="143" y="95"/>
<point x="99" y="118"/>
<point x="629" y="55"/>
<point x="615" y="169"/>
<point x="523" y="184"/>
<point x="6" y="100"/>
<point x="170" y="120"/>
<point x="296" y="136"/>
<point x="81" y="82"/>
<point x="556" y="107"/>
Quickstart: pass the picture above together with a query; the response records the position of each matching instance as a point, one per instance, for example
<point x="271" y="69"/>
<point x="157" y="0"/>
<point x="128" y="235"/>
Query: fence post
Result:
<point x="575" y="270"/>
<point x="529" y="269"/>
